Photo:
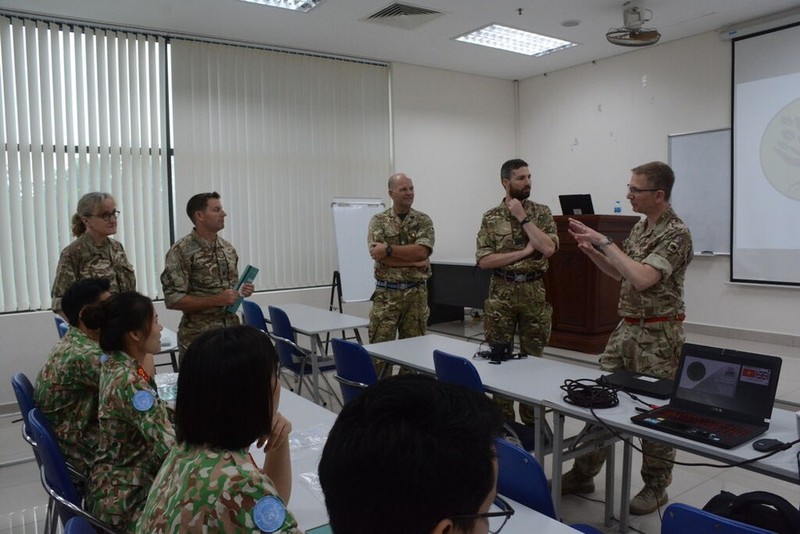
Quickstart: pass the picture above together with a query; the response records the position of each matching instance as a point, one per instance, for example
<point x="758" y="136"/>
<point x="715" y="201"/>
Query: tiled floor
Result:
<point x="22" y="497"/>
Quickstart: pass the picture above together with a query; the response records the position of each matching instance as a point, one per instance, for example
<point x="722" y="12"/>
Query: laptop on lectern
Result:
<point x="576" y="204"/>
<point x="720" y="397"/>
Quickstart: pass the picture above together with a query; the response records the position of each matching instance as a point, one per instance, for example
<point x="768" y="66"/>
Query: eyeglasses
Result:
<point x="635" y="190"/>
<point x="497" y="520"/>
<point x="107" y="215"/>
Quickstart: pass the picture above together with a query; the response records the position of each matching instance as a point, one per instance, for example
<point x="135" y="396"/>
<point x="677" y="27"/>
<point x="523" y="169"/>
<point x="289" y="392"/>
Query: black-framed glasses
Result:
<point x="635" y="190"/>
<point x="497" y="520"/>
<point x="107" y="215"/>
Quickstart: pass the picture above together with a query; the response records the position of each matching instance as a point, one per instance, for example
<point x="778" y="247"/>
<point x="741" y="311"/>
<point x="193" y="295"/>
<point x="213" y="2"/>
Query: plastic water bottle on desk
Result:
<point x="617" y="208"/>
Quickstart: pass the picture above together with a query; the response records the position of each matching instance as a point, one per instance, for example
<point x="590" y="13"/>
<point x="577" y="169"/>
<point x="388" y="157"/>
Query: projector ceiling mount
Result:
<point x="632" y="33"/>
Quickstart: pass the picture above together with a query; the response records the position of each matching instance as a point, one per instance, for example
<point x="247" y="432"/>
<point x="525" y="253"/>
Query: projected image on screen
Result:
<point x="780" y="151"/>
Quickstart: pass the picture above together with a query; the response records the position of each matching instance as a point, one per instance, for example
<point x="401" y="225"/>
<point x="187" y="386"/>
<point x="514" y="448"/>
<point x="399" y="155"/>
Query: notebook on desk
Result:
<point x="720" y="397"/>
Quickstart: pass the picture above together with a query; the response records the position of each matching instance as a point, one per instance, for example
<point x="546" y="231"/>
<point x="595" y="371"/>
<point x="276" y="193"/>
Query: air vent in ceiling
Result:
<point x="404" y="16"/>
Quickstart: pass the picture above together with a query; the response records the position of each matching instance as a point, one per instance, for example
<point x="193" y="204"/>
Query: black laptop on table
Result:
<point x="720" y="397"/>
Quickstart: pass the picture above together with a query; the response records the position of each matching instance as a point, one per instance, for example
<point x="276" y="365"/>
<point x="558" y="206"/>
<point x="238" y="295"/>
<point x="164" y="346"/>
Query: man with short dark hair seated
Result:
<point x="412" y="455"/>
<point x="67" y="386"/>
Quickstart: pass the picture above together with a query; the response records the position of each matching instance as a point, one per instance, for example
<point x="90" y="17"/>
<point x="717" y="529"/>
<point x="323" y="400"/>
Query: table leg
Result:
<point x="625" y="497"/>
<point x="558" y="449"/>
<point x="316" y="350"/>
<point x="538" y="438"/>
<point x="610" y="470"/>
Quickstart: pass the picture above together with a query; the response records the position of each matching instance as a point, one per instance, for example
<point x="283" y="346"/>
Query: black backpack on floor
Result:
<point x="758" y="508"/>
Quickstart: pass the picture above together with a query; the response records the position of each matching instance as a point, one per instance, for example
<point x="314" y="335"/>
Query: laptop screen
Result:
<point x="576" y="204"/>
<point x="729" y="383"/>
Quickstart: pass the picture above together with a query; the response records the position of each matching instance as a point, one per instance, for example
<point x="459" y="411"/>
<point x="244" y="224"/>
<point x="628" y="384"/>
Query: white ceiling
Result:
<point x="338" y="26"/>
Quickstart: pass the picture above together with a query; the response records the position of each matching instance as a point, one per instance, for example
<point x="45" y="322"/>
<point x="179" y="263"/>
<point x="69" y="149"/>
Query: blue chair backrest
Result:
<point x="55" y="467"/>
<point x="61" y="325"/>
<point x="456" y="370"/>
<point x="78" y="525"/>
<point x="681" y="518"/>
<point x="253" y="315"/>
<point x="353" y="363"/>
<point x="23" y="390"/>
<point x="521" y="478"/>
<point x="281" y="327"/>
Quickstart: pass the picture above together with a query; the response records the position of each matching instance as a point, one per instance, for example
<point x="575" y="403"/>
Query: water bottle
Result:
<point x="617" y="207"/>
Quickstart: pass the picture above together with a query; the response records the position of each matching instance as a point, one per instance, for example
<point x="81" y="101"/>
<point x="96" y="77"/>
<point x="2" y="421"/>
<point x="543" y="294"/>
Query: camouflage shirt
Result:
<point x="198" y="267"/>
<point x="668" y="248"/>
<point x="501" y="232"/>
<point x="84" y="259"/>
<point x="136" y="436"/>
<point x="66" y="392"/>
<point x="415" y="228"/>
<point x="203" y="490"/>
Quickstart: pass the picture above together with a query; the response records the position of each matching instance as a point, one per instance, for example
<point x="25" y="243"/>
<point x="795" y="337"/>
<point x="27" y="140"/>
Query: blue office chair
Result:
<point x="681" y="518"/>
<point x="294" y="358"/>
<point x="354" y="369"/>
<point x="254" y="315"/>
<point x="457" y="370"/>
<point x="61" y="325"/>
<point x="55" y="474"/>
<point x="78" y="525"/>
<point x="521" y="478"/>
<point x="23" y="390"/>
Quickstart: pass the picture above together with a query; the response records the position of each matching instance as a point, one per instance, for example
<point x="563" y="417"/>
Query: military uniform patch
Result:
<point x="269" y="514"/>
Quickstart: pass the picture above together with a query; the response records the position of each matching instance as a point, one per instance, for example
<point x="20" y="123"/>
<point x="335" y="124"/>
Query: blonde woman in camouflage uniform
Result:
<point x="67" y="386"/>
<point x="136" y="432"/>
<point x="651" y="263"/>
<point x="228" y="395"/>
<point x="93" y="254"/>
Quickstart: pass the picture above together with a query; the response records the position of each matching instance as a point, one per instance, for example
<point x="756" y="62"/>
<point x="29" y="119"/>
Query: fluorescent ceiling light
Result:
<point x="514" y="40"/>
<point x="295" y="5"/>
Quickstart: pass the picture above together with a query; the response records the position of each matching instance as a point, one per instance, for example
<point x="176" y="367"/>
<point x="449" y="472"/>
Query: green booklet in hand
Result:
<point x="248" y="275"/>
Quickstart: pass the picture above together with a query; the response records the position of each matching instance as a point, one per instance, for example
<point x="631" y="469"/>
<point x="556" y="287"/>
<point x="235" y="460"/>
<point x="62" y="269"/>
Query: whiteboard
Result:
<point x="702" y="192"/>
<point x="351" y="218"/>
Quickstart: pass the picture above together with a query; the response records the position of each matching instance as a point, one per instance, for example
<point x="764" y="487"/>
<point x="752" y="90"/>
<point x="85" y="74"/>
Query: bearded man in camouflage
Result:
<point x="651" y="263"/>
<point x="400" y="241"/>
<point x="515" y="239"/>
<point x="201" y="271"/>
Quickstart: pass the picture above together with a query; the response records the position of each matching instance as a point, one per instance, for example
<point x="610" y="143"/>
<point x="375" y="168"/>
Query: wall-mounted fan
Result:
<point x="633" y="33"/>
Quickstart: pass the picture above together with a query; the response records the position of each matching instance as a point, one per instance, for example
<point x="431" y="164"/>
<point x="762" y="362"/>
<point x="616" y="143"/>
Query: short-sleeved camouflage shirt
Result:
<point x="67" y="391"/>
<point x="415" y="228"/>
<point x="84" y="259"/>
<point x="666" y="247"/>
<point x="205" y="490"/>
<point x="198" y="267"/>
<point x="501" y="232"/>
<point x="136" y="436"/>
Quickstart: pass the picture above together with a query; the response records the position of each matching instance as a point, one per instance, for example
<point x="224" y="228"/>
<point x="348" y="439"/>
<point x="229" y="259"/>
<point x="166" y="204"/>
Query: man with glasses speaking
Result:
<point x="201" y="272"/>
<point x="651" y="263"/>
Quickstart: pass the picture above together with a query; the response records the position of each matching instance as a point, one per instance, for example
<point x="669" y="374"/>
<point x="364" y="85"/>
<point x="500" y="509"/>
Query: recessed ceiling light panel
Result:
<point x="303" y="6"/>
<point x="514" y="40"/>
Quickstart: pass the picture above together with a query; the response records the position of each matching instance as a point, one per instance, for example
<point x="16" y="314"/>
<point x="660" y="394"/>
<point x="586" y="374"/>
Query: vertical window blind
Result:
<point x="278" y="135"/>
<point x="80" y="110"/>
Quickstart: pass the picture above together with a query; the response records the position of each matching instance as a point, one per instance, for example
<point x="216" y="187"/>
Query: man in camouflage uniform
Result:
<point x="137" y="434"/>
<point x="651" y="263"/>
<point x="201" y="272"/>
<point x="515" y="239"/>
<point x="400" y="241"/>
<point x="67" y="386"/>
<point x="214" y="490"/>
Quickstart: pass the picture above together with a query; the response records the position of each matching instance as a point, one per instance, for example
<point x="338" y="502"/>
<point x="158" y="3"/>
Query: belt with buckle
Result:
<point x="518" y="278"/>
<point x="643" y="320"/>
<point x="396" y="285"/>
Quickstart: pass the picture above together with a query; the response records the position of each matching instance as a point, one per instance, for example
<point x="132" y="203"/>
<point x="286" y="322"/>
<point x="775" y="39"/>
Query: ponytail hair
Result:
<point x="87" y="205"/>
<point x="123" y="312"/>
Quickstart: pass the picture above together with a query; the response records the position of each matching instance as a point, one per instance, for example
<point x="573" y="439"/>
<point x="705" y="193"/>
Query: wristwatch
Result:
<point x="525" y="220"/>
<point x="388" y="250"/>
<point x="604" y="244"/>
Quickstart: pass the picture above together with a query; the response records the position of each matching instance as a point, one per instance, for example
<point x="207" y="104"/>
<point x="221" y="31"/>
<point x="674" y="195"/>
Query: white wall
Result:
<point x="585" y="127"/>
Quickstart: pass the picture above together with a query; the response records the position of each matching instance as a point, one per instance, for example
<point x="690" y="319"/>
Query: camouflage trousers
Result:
<point x="195" y="324"/>
<point x="650" y="348"/>
<point x="397" y="313"/>
<point x="517" y="307"/>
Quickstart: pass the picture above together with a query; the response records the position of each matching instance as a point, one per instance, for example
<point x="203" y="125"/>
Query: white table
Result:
<point x="169" y="345"/>
<point x="313" y="322"/>
<point x="307" y="504"/>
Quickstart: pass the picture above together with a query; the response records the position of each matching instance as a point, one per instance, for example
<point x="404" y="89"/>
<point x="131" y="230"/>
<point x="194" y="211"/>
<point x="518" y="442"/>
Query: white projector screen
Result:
<point x="766" y="158"/>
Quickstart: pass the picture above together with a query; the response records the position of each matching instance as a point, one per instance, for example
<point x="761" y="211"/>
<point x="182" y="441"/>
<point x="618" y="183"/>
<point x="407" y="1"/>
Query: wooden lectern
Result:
<point x="584" y="299"/>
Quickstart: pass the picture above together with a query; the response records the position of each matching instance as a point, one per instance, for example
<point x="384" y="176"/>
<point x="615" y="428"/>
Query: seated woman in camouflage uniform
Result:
<point x="228" y="395"/>
<point x="135" y="430"/>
